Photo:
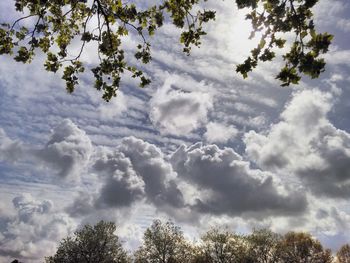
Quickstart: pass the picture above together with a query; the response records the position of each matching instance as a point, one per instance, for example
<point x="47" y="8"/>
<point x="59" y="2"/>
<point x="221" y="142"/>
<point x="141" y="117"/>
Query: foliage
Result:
<point x="277" y="18"/>
<point x="58" y="24"/>
<point x="262" y="246"/>
<point x="91" y="244"/>
<point x="343" y="255"/>
<point x="219" y="246"/>
<point x="163" y="243"/>
<point x="302" y="248"/>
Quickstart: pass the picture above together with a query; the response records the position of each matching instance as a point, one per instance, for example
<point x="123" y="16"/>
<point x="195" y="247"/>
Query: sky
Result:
<point x="200" y="146"/>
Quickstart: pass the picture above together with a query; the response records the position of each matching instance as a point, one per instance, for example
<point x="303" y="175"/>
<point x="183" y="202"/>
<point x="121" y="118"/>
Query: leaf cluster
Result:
<point x="305" y="50"/>
<point x="59" y="24"/>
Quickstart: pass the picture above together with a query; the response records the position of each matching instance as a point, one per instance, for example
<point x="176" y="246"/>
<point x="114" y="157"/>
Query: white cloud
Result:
<point x="176" y="112"/>
<point x="220" y="133"/>
<point x="109" y="110"/>
<point x="338" y="57"/>
<point x="306" y="144"/>
<point x="33" y="231"/>
<point x="68" y="150"/>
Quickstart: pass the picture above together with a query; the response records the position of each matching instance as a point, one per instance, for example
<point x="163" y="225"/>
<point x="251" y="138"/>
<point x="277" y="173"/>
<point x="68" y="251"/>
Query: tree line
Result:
<point x="164" y="242"/>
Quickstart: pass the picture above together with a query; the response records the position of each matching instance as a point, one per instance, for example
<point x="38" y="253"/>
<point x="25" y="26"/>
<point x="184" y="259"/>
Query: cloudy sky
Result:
<point x="200" y="145"/>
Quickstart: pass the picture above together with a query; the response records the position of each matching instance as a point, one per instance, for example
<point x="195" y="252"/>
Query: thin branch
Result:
<point x="35" y="28"/>
<point x="84" y="41"/>
<point x="133" y="26"/>
<point x="22" y="18"/>
<point x="100" y="7"/>
<point x="299" y="28"/>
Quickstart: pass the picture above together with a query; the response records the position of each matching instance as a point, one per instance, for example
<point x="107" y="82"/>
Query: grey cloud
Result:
<point x="332" y="178"/>
<point x="66" y="153"/>
<point x="227" y="185"/>
<point x="68" y="150"/>
<point x="136" y="170"/>
<point x="204" y="179"/>
<point x="149" y="162"/>
<point x="333" y="10"/>
<point x="82" y="205"/>
<point x="306" y="144"/>
<point x="10" y="150"/>
<point x="27" y="207"/>
<point x="122" y="186"/>
<point x="322" y="214"/>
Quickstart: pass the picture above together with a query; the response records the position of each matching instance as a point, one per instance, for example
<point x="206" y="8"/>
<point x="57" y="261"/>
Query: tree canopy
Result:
<point x="91" y="244"/>
<point x="343" y="255"/>
<point x="303" y="248"/>
<point x="164" y="242"/>
<point x="263" y="246"/>
<point x="219" y="246"/>
<point x="56" y="24"/>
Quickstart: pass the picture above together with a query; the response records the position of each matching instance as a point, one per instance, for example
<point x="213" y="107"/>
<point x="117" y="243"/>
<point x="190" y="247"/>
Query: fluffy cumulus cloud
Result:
<point x="66" y="153"/>
<point x="306" y="144"/>
<point x="219" y="133"/>
<point x="225" y="184"/>
<point x="193" y="182"/>
<point x="200" y="178"/>
<point x="178" y="112"/>
<point x="32" y="230"/>
<point x="123" y="185"/>
<point x="68" y="150"/>
<point x="136" y="170"/>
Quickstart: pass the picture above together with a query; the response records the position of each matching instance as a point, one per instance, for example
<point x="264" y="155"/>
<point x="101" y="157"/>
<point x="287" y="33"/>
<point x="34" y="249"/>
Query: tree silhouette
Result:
<point x="343" y="255"/>
<point x="105" y="22"/>
<point x="262" y="246"/>
<point x="223" y="246"/>
<point x="302" y="248"/>
<point x="163" y="243"/>
<point x="91" y="244"/>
